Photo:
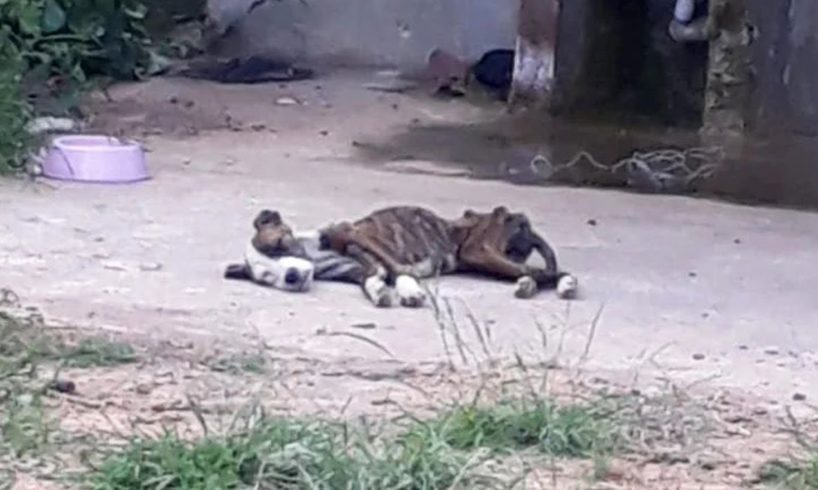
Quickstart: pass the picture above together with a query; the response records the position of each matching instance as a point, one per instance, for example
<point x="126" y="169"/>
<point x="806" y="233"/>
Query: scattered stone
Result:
<point x="112" y="265"/>
<point x="737" y="241"/>
<point x="258" y="127"/>
<point x="692" y="274"/>
<point x="772" y="351"/>
<point x="396" y="86"/>
<point x="144" y="388"/>
<point x="364" y="326"/>
<point x="64" y="386"/>
<point x="323" y="132"/>
<point x="287" y="101"/>
<point x="698" y="357"/>
<point x="150" y="266"/>
<point x="799" y="397"/>
<point x="591" y="222"/>
<point x="743" y="347"/>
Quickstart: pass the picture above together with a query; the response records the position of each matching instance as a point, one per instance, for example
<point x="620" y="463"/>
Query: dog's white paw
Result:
<point x="526" y="287"/>
<point x="409" y="291"/>
<point x="567" y="287"/>
<point x="379" y="293"/>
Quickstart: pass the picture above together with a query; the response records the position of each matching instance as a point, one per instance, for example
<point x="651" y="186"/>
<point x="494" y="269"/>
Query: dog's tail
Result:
<point x="238" y="272"/>
<point x="564" y="283"/>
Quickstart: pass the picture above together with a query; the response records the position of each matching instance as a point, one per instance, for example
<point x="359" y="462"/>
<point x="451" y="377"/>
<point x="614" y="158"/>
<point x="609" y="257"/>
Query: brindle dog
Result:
<point x="389" y="250"/>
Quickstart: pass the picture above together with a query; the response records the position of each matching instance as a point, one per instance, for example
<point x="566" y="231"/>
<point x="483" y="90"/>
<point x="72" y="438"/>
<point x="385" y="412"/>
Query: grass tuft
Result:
<point x="285" y="454"/>
<point x="97" y="352"/>
<point x="572" y="431"/>
<point x="239" y="364"/>
<point x="798" y="475"/>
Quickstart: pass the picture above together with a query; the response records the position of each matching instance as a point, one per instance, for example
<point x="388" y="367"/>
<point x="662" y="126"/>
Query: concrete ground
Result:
<point x="703" y="290"/>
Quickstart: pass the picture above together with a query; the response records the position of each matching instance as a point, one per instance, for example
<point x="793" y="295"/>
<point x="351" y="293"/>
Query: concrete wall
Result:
<point x="785" y="96"/>
<point x="397" y="33"/>
<point x="615" y="58"/>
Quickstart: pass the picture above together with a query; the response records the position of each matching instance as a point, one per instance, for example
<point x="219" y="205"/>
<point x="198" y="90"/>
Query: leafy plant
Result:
<point x="14" y="111"/>
<point x="77" y="38"/>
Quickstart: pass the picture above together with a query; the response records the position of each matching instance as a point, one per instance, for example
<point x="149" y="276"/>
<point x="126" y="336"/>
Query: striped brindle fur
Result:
<point x="390" y="250"/>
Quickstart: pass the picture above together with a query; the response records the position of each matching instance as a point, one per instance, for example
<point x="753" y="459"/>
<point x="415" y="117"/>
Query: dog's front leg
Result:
<point x="373" y="279"/>
<point x="409" y="291"/>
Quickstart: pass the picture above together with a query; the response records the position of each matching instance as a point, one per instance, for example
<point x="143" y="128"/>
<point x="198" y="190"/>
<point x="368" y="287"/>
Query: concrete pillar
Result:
<point x="729" y="75"/>
<point x="534" y="62"/>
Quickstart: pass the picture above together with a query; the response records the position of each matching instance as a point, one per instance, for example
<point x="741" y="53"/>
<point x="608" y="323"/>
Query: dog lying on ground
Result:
<point x="390" y="250"/>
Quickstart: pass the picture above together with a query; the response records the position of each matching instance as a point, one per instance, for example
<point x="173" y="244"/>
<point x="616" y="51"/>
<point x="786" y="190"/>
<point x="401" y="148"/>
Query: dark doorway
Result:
<point x="625" y="66"/>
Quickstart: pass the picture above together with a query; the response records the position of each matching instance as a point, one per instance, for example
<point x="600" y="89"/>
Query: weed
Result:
<point x="285" y="454"/>
<point x="794" y="475"/>
<point x="238" y="364"/>
<point x="97" y="352"/>
<point x="572" y="431"/>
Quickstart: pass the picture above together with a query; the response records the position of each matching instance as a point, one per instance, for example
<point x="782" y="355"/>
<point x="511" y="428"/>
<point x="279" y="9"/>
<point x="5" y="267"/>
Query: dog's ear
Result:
<point x="500" y="211"/>
<point x="267" y="218"/>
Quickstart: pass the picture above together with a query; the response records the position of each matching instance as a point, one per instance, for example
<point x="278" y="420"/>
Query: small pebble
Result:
<point x="144" y="388"/>
<point x="799" y="397"/>
<point x="591" y="222"/>
<point x="64" y="386"/>
<point x="150" y="267"/>
<point x="286" y="101"/>
<point x="772" y="351"/>
<point x="364" y="326"/>
<point x="698" y="357"/>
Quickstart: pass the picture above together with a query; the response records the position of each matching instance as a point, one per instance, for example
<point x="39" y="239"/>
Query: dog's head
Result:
<point x="275" y="257"/>
<point x="274" y="238"/>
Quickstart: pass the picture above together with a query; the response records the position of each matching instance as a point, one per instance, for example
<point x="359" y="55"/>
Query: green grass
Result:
<point x="26" y="427"/>
<point x="239" y="363"/>
<point x="443" y="453"/>
<point x="96" y="352"/>
<point x="285" y="454"/>
<point x="572" y="431"/>
<point x="795" y="475"/>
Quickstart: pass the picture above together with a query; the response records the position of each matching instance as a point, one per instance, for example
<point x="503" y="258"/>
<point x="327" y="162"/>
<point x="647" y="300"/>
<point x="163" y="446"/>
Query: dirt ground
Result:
<point x="715" y="299"/>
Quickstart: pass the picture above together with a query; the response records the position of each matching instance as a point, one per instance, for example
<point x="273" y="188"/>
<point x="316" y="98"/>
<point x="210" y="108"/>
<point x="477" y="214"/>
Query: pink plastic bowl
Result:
<point x="88" y="158"/>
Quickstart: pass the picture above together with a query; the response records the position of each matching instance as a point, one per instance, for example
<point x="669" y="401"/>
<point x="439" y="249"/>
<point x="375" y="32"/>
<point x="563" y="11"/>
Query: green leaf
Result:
<point x="29" y="19"/>
<point x="53" y="17"/>
<point x="137" y="12"/>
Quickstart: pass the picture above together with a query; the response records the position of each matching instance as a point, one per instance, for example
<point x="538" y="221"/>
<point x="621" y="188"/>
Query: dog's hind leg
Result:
<point x="529" y="279"/>
<point x="410" y="292"/>
<point x="566" y="284"/>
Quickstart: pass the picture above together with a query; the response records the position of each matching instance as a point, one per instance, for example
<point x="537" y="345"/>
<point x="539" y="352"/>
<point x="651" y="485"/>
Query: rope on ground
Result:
<point x="658" y="170"/>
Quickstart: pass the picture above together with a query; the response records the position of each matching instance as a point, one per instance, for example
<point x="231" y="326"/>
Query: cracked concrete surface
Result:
<point x="705" y="290"/>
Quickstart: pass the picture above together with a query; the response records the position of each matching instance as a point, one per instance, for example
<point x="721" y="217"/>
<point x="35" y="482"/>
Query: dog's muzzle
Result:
<point x="284" y="273"/>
